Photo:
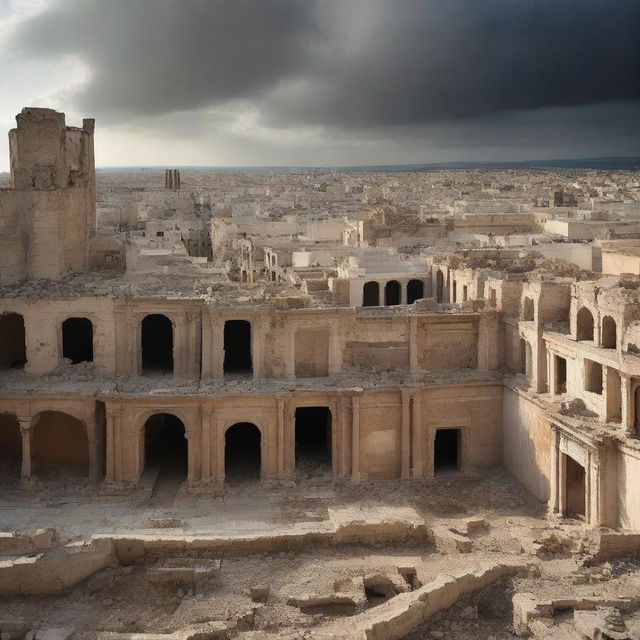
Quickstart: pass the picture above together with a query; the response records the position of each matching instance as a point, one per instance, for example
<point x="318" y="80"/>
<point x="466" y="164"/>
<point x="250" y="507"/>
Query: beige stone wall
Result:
<point x="527" y="442"/>
<point x="628" y="497"/>
<point x="43" y="329"/>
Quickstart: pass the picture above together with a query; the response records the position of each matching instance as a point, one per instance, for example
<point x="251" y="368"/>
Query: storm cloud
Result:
<point x="345" y="63"/>
<point x="306" y="81"/>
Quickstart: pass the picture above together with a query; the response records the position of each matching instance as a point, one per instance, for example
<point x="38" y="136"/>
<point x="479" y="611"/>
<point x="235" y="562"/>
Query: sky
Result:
<point x="329" y="82"/>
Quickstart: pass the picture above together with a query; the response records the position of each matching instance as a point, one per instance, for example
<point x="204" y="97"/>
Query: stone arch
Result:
<point x="392" y="293"/>
<point x="59" y="445"/>
<point x="13" y="346"/>
<point x="156" y="339"/>
<point x="243" y="456"/>
<point x="415" y="290"/>
<point x="77" y="339"/>
<point x="528" y="309"/>
<point x="584" y="324"/>
<point x="609" y="336"/>
<point x="10" y="446"/>
<point x="371" y="294"/>
<point x="165" y="444"/>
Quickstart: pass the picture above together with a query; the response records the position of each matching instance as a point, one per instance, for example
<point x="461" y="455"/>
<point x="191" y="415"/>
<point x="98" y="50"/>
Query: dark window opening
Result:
<point x="493" y="302"/>
<point x="464" y="293"/>
<point x="237" y="347"/>
<point x="313" y="438"/>
<point x="446" y="451"/>
<point x="454" y="292"/>
<point x="439" y="286"/>
<point x="157" y="344"/>
<point x="77" y="340"/>
<point x="392" y="293"/>
<point x="415" y="291"/>
<point x="609" y="332"/>
<point x="242" y="452"/>
<point x="585" y="324"/>
<point x="593" y="376"/>
<point x="561" y="375"/>
<point x="13" y="350"/>
<point x="371" y="294"/>
<point x="10" y="447"/>
<point x="575" y="485"/>
<point x="165" y="445"/>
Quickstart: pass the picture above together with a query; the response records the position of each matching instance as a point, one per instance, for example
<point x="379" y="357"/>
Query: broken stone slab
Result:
<point x="15" y="543"/>
<point x="605" y="622"/>
<point x="52" y="633"/>
<point x="213" y="630"/>
<point x="54" y="570"/>
<point x="189" y="571"/>
<point x="447" y="541"/>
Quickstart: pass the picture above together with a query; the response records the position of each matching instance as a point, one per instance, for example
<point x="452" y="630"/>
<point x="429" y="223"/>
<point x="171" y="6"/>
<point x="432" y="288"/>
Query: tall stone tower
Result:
<point x="47" y="216"/>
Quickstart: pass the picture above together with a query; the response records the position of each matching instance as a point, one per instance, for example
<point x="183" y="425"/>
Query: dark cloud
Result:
<point x="345" y="63"/>
<point x="416" y="61"/>
<point x="161" y="56"/>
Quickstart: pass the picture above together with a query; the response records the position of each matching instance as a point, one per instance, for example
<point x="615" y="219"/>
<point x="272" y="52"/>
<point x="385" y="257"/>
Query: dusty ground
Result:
<point x="123" y="599"/>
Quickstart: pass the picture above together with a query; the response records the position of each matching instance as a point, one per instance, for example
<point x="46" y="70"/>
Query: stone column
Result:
<point x="345" y="448"/>
<point x="217" y="347"/>
<point x="413" y="344"/>
<point x="335" y="352"/>
<point x="405" y="437"/>
<point x="110" y="453"/>
<point x="25" y="433"/>
<point x="206" y="369"/>
<point x="207" y="421"/>
<point x="554" y="495"/>
<point x="355" y="438"/>
<point x="280" y="404"/>
<point x="257" y="347"/>
<point x="194" y="449"/>
<point x="403" y="292"/>
<point x="552" y="372"/>
<point x="291" y="355"/>
<point x="134" y="328"/>
<point x="218" y="454"/>
<point x="418" y="437"/>
<point x="381" y="289"/>
<point x="627" y="392"/>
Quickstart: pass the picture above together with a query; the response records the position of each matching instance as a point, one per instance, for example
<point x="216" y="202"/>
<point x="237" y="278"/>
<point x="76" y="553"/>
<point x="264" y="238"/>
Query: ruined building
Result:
<point x="442" y="364"/>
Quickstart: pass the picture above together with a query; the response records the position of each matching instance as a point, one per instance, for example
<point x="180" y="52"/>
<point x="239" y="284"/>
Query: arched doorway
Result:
<point x="237" y="347"/>
<point x="609" y="333"/>
<point x="77" y="340"/>
<point x="157" y="345"/>
<point x="584" y="324"/>
<point x="392" y="293"/>
<point x="439" y="286"/>
<point x="371" y="294"/>
<point x="415" y="291"/>
<point x="13" y="350"/>
<point x="313" y="440"/>
<point x="59" y="446"/>
<point x="166" y="447"/>
<point x="242" y="452"/>
<point x="10" y="447"/>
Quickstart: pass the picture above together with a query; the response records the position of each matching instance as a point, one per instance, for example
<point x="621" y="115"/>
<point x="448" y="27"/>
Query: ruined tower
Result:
<point x="47" y="215"/>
